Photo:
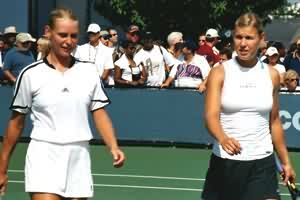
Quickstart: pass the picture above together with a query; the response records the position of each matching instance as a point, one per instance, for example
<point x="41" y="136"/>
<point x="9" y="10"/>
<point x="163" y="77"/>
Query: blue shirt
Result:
<point x="15" y="60"/>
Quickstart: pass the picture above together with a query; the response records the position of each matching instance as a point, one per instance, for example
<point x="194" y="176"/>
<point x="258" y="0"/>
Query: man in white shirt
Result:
<point x="94" y="51"/>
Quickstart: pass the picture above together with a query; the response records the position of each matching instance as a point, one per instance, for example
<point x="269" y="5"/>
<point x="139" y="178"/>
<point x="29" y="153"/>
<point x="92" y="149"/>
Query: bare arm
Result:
<point x="106" y="131"/>
<point x="212" y="111"/>
<point x="167" y="82"/>
<point x="11" y="136"/>
<point x="9" y="76"/>
<point x="105" y="74"/>
<point x="277" y="130"/>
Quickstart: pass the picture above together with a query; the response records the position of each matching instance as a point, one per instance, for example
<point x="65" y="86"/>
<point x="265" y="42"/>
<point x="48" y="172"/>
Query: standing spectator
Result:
<point x="104" y="37"/>
<point x="113" y="40"/>
<point x="2" y="77"/>
<point x="61" y="92"/>
<point x="192" y="72"/>
<point x="292" y="60"/>
<point x="208" y="50"/>
<point x="18" y="57"/>
<point x="273" y="61"/>
<point x="242" y="115"/>
<point x="94" y="51"/>
<point x="127" y="72"/>
<point x="281" y="50"/>
<point x="43" y="47"/>
<point x="133" y="34"/>
<point x="156" y="59"/>
<point x="10" y="34"/>
<point x="172" y="39"/>
<point x="201" y="39"/>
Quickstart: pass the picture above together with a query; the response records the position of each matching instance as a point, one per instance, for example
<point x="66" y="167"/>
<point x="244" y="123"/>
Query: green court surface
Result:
<point x="160" y="173"/>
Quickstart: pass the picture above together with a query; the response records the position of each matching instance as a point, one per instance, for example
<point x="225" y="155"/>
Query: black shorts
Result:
<point x="241" y="180"/>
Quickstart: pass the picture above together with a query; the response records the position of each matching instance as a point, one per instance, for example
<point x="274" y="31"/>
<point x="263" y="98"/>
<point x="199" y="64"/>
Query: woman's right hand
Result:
<point x="3" y="182"/>
<point x="231" y="146"/>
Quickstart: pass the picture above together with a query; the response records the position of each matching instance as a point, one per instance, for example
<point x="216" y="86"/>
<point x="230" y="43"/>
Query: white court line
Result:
<point x="134" y="176"/>
<point x="145" y="187"/>
<point x="141" y="176"/>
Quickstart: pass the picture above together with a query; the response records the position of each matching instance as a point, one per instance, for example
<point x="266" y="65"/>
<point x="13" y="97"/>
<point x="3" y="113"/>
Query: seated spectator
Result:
<point x="291" y="79"/>
<point x="127" y="72"/>
<point x="225" y="54"/>
<point x="156" y="60"/>
<point x="263" y="46"/>
<point x="273" y="61"/>
<point x="19" y="57"/>
<point x="192" y="72"/>
<point x="172" y="39"/>
<point x="178" y="51"/>
<point x="43" y="47"/>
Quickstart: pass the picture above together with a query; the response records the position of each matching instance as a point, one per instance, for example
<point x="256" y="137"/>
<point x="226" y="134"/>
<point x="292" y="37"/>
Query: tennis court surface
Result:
<point x="160" y="173"/>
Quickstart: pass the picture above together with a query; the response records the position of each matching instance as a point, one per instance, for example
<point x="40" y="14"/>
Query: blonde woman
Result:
<point x="242" y="115"/>
<point x="290" y="79"/>
<point x="43" y="47"/>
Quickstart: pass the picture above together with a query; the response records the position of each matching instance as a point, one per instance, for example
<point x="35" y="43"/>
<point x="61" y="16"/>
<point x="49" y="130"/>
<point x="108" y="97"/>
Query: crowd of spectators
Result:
<point x="141" y="60"/>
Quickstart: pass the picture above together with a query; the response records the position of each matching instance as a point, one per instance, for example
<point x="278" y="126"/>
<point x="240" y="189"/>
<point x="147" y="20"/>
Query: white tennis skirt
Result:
<point x="63" y="169"/>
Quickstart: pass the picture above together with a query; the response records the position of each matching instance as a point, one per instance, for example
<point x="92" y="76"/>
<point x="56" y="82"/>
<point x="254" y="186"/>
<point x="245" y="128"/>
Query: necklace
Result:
<point x="90" y="56"/>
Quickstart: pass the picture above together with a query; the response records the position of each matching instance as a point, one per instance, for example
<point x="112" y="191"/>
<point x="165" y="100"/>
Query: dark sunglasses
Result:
<point x="292" y="79"/>
<point x="106" y="37"/>
<point x="114" y="34"/>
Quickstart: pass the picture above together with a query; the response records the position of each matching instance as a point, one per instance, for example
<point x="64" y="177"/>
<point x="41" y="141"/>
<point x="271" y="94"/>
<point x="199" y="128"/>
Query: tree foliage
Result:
<point x="188" y="16"/>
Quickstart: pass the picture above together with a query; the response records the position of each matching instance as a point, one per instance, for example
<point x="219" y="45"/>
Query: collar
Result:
<point x="73" y="60"/>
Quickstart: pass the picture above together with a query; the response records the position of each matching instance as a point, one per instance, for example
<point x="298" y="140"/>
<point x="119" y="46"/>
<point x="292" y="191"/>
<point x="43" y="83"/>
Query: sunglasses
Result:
<point x="106" y="37"/>
<point x="114" y="34"/>
<point x="292" y="79"/>
<point x="201" y="40"/>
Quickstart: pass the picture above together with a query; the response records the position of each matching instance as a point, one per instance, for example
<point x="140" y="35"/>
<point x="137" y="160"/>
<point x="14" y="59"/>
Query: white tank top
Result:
<point x="246" y="102"/>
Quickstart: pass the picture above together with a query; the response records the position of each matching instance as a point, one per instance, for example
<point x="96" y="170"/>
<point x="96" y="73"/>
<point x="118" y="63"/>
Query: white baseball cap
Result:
<point x="212" y="33"/>
<point x="10" y="30"/>
<point x="94" y="28"/>
<point x="271" y="51"/>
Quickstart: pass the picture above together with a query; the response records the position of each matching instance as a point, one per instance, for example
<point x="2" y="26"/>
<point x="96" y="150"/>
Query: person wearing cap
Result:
<point x="10" y="34"/>
<point x="133" y="34"/>
<point x="272" y="55"/>
<point x="94" y="51"/>
<point x="18" y="57"/>
<point x="208" y="49"/>
<point x="192" y="72"/>
<point x="292" y="60"/>
<point x="104" y="37"/>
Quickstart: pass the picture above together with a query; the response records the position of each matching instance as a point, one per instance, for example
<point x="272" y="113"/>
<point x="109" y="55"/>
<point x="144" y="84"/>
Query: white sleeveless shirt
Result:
<point x="246" y="102"/>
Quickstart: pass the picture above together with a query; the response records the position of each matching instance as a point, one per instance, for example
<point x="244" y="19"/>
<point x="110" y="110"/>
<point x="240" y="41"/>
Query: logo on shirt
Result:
<point x="247" y="85"/>
<point x="65" y="90"/>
